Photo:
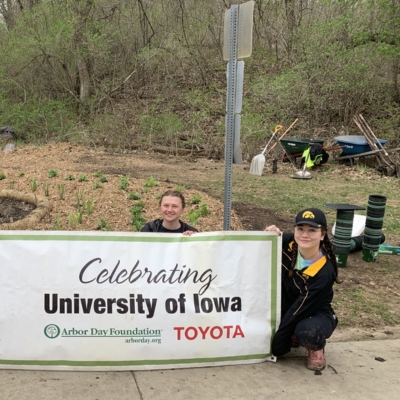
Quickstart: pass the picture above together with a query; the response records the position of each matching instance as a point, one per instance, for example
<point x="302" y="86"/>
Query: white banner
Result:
<point x="125" y="301"/>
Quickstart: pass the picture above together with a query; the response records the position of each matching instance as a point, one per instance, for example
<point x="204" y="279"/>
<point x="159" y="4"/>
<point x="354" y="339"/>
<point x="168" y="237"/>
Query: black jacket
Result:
<point x="154" y="226"/>
<point x="309" y="291"/>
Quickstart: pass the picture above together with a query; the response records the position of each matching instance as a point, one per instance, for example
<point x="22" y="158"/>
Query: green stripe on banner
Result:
<point x="275" y="269"/>
<point x="149" y="239"/>
<point x="132" y="363"/>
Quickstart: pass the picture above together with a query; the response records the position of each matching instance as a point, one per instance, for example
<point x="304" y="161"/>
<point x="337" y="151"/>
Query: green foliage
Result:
<point x="89" y="206"/>
<point x="34" y="184"/>
<point x="80" y="200"/>
<point x="195" y="214"/>
<point x="12" y="183"/>
<point x="60" y="189"/>
<point x="97" y="185"/>
<point x="2" y="176"/>
<point x="69" y="177"/>
<point x="180" y="188"/>
<point x="100" y="176"/>
<point x="38" y="121"/>
<point x="52" y="173"/>
<point x="334" y="60"/>
<point x="58" y="226"/>
<point x="21" y="174"/>
<point x="161" y="127"/>
<point x="82" y="178"/>
<point x="123" y="182"/>
<point x="75" y="219"/>
<point x="71" y="220"/>
<point x="103" y="225"/>
<point x="133" y="196"/>
<point x="151" y="182"/>
<point x="138" y="221"/>
<point x="46" y="189"/>
<point x="103" y="179"/>
<point x="195" y="199"/>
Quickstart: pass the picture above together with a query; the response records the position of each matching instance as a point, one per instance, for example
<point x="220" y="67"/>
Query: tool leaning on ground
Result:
<point x="303" y="174"/>
<point x="258" y="162"/>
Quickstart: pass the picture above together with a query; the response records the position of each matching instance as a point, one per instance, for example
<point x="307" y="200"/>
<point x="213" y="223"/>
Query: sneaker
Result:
<point x="316" y="360"/>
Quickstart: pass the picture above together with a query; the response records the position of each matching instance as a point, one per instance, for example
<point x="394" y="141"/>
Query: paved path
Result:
<point x="353" y="372"/>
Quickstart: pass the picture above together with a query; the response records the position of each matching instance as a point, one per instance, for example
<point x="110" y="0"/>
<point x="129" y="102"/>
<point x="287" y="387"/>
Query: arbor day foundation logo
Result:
<point x="52" y="331"/>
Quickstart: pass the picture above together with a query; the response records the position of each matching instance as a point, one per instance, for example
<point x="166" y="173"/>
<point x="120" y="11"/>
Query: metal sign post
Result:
<point x="237" y="44"/>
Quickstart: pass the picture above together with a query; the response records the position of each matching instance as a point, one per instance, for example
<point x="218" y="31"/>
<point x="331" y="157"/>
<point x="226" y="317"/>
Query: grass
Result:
<point x="359" y="300"/>
<point x="285" y="195"/>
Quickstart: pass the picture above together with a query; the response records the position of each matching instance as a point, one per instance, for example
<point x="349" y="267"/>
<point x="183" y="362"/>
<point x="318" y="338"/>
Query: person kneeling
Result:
<point x="309" y="271"/>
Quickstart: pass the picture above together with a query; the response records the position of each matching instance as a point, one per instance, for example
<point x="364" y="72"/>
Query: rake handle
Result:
<point x="284" y="133"/>
<point x="277" y="129"/>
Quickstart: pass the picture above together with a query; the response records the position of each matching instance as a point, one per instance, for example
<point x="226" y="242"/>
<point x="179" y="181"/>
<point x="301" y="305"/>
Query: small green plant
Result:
<point x="46" y="189"/>
<point x="89" y="206"/>
<point x="60" y="188"/>
<point x="79" y="217"/>
<point x="58" y="223"/>
<point x="97" y="185"/>
<point x="204" y="210"/>
<point x="138" y="221"/>
<point x="194" y="215"/>
<point x="34" y="184"/>
<point x="100" y="176"/>
<point x="72" y="220"/>
<point x="133" y="196"/>
<point x="151" y="182"/>
<point x="2" y="176"/>
<point x="123" y="182"/>
<point x="180" y="188"/>
<point x="12" y="184"/>
<point x="137" y="218"/>
<point x="82" y="178"/>
<point x="80" y="200"/>
<point x="195" y="199"/>
<point x="75" y="219"/>
<point x="137" y="208"/>
<point x="103" y="225"/>
<point x="69" y="177"/>
<point x="21" y="174"/>
<point x="52" y="173"/>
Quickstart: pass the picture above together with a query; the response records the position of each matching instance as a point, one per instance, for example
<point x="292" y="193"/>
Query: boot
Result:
<point x="316" y="360"/>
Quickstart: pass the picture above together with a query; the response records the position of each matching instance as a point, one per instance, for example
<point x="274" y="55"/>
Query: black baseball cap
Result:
<point x="311" y="216"/>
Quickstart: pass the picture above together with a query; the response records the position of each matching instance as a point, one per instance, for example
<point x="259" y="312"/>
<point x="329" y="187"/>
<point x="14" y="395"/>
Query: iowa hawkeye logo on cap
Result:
<point x="308" y="214"/>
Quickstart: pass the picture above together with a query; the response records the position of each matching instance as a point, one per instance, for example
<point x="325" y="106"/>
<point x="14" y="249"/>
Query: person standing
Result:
<point x="309" y="271"/>
<point x="172" y="204"/>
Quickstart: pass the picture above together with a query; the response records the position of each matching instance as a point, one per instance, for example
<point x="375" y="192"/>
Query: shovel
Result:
<point x="303" y="174"/>
<point x="258" y="162"/>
